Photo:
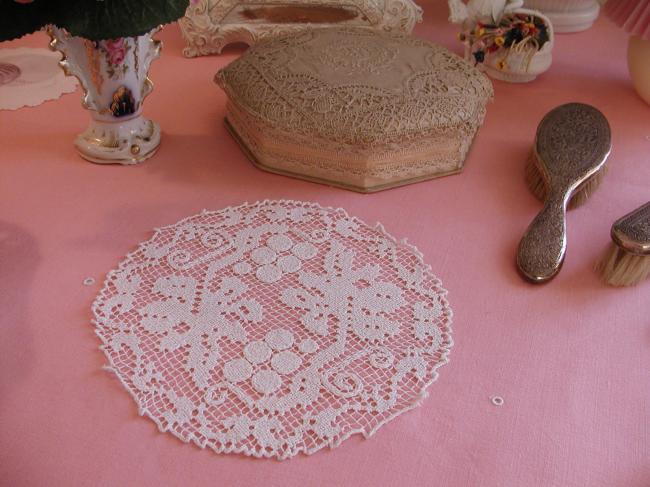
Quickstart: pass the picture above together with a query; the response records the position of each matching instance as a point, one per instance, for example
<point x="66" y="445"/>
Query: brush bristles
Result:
<point x="585" y="191"/>
<point x="534" y="179"/>
<point x="538" y="187"/>
<point x="620" y="268"/>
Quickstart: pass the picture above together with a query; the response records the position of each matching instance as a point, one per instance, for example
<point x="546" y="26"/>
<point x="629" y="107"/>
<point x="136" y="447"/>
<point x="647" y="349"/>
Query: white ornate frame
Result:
<point x="206" y="29"/>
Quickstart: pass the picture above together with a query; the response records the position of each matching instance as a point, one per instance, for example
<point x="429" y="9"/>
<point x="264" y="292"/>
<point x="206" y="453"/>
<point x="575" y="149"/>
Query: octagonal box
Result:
<point x="354" y="108"/>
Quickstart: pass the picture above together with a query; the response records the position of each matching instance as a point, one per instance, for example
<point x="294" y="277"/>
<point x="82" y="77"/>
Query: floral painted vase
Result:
<point x="113" y="74"/>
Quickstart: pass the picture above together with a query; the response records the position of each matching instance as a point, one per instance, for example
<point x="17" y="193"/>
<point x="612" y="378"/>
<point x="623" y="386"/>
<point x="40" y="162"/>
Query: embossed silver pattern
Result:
<point x="572" y="145"/>
<point x="632" y="232"/>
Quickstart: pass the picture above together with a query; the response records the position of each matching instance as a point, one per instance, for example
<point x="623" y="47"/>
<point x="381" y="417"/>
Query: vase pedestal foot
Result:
<point x="128" y="142"/>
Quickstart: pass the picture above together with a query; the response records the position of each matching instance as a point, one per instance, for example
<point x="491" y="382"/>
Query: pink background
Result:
<point x="571" y="359"/>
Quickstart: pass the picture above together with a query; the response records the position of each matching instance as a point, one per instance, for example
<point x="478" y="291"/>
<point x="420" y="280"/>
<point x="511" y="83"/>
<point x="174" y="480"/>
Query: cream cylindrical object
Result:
<point x="568" y="15"/>
<point x="638" y="60"/>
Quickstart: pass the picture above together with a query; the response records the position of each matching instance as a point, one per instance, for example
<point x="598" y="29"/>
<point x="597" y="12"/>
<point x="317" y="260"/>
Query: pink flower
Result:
<point x="116" y="51"/>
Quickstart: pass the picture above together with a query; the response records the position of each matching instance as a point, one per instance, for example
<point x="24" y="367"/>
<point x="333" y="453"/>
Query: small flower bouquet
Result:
<point x="516" y="48"/>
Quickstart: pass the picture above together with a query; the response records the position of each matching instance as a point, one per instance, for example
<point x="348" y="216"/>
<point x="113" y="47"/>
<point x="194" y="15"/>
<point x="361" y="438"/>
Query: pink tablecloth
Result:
<point x="571" y="359"/>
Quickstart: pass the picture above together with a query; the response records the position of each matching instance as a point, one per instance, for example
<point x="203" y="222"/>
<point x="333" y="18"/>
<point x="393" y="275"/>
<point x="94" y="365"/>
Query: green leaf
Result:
<point x="110" y="19"/>
<point x="91" y="19"/>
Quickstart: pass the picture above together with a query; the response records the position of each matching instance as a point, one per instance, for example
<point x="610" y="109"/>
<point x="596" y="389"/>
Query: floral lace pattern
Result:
<point x="358" y="87"/>
<point x="273" y="328"/>
<point x="350" y="56"/>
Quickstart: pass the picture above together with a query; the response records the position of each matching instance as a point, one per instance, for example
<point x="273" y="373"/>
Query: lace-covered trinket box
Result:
<point x="354" y="108"/>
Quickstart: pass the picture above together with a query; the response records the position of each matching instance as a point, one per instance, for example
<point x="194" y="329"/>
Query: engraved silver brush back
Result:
<point x="572" y="144"/>
<point x="632" y="232"/>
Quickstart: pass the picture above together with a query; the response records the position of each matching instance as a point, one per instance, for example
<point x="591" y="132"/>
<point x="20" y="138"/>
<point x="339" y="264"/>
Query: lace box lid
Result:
<point x="356" y="86"/>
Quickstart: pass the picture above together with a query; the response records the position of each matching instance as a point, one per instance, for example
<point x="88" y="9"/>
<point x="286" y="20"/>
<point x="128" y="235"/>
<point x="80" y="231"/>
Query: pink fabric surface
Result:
<point x="571" y="358"/>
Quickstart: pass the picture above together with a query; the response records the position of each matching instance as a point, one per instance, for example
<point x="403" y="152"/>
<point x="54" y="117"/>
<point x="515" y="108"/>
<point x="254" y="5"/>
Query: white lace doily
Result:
<point x="273" y="328"/>
<point x="31" y="76"/>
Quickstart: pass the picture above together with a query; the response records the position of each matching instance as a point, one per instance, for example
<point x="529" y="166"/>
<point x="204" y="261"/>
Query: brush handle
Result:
<point x="541" y="250"/>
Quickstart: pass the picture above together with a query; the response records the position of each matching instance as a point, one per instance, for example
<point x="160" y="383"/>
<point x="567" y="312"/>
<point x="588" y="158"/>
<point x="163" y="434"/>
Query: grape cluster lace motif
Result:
<point x="273" y="328"/>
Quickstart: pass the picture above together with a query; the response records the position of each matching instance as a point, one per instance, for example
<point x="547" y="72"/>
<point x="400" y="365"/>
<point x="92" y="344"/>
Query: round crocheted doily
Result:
<point x="273" y="328"/>
<point x="31" y="76"/>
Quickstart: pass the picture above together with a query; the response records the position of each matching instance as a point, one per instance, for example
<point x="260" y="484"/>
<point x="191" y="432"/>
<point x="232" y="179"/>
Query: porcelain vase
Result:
<point x="568" y="15"/>
<point x="638" y="60"/>
<point x="113" y="75"/>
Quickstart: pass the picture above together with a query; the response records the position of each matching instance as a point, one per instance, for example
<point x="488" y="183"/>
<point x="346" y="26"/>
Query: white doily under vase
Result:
<point x="31" y="76"/>
<point x="273" y="328"/>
